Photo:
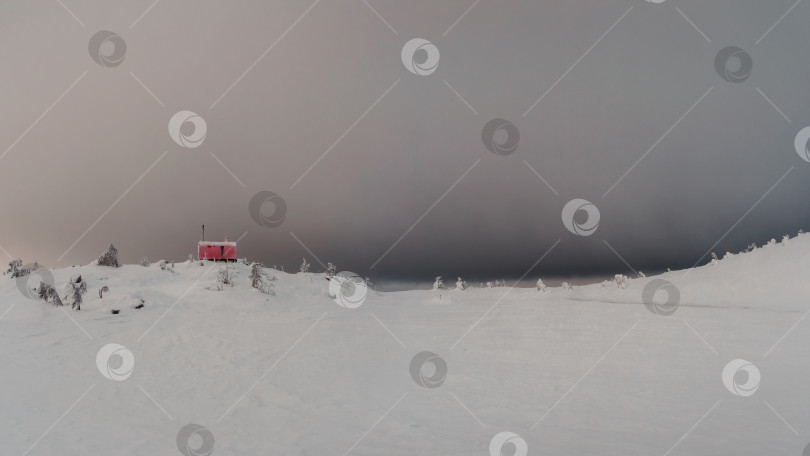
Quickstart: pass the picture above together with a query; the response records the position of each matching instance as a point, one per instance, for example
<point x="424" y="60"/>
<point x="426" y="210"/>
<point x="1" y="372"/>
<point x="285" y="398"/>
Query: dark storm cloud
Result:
<point x="368" y="153"/>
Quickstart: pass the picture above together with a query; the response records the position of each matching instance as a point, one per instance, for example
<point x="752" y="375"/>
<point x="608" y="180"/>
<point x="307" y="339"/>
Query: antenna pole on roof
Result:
<point x="203" y="233"/>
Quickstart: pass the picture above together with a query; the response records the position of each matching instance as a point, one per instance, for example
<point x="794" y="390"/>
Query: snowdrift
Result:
<point x="583" y="371"/>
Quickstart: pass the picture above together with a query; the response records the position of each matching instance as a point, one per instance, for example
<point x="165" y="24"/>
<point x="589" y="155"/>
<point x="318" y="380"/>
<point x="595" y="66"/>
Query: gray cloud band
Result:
<point x="508" y="145"/>
<point x="278" y="215"/>
<point x="726" y="56"/>
<point x="97" y="52"/>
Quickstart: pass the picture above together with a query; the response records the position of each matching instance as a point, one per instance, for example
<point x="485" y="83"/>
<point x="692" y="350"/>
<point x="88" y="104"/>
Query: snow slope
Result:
<point x="583" y="371"/>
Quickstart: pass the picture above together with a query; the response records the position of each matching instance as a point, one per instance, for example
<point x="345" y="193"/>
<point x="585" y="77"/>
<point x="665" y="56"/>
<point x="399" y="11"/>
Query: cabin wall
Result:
<point x="217" y="252"/>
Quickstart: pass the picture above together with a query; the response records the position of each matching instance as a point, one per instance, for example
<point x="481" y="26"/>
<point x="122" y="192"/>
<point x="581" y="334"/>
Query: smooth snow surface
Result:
<point x="579" y="372"/>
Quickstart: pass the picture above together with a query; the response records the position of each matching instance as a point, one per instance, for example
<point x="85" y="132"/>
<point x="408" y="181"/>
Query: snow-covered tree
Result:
<point x="144" y="262"/>
<point x="109" y="258"/>
<point x="460" y="284"/>
<point x="567" y="286"/>
<point x="47" y="293"/>
<point x="620" y="280"/>
<point x="256" y="277"/>
<point x="541" y="286"/>
<point x="489" y="284"/>
<point x="331" y="270"/>
<point x="438" y="284"/>
<point x="74" y="290"/>
<point x="259" y="281"/>
<point x="304" y="266"/>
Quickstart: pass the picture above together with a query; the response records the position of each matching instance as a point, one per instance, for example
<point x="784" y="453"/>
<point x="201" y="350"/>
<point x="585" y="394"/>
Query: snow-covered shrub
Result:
<point x="541" y="286"/>
<point x="144" y="262"/>
<point x="74" y="290"/>
<point x="438" y="284"/>
<point x="304" y="266"/>
<point x="16" y="268"/>
<point x="331" y="270"/>
<point x="224" y="277"/>
<point x="620" y="280"/>
<point x="770" y="243"/>
<point x="567" y="286"/>
<point x="162" y="265"/>
<point x="500" y="283"/>
<point x="13" y="266"/>
<point x="460" y="284"/>
<point x="641" y="275"/>
<point x="785" y="238"/>
<point x="715" y="260"/>
<point x="47" y="293"/>
<point x="259" y="281"/>
<point x="256" y="277"/>
<point x="605" y="283"/>
<point x="109" y="258"/>
<point x="489" y="284"/>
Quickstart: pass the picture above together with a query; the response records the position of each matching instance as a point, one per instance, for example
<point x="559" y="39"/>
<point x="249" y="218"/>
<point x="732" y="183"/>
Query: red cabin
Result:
<point x="217" y="251"/>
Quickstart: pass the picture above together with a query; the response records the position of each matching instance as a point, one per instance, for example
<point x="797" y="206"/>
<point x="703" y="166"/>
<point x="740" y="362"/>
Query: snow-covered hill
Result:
<point x="585" y="371"/>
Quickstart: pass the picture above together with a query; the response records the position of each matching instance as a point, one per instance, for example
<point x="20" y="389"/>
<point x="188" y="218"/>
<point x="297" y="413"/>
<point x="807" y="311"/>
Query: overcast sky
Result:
<point x="384" y="171"/>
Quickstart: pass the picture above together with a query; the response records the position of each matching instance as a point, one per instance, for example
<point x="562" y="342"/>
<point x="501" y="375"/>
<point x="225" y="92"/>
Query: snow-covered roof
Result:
<point x="217" y="243"/>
